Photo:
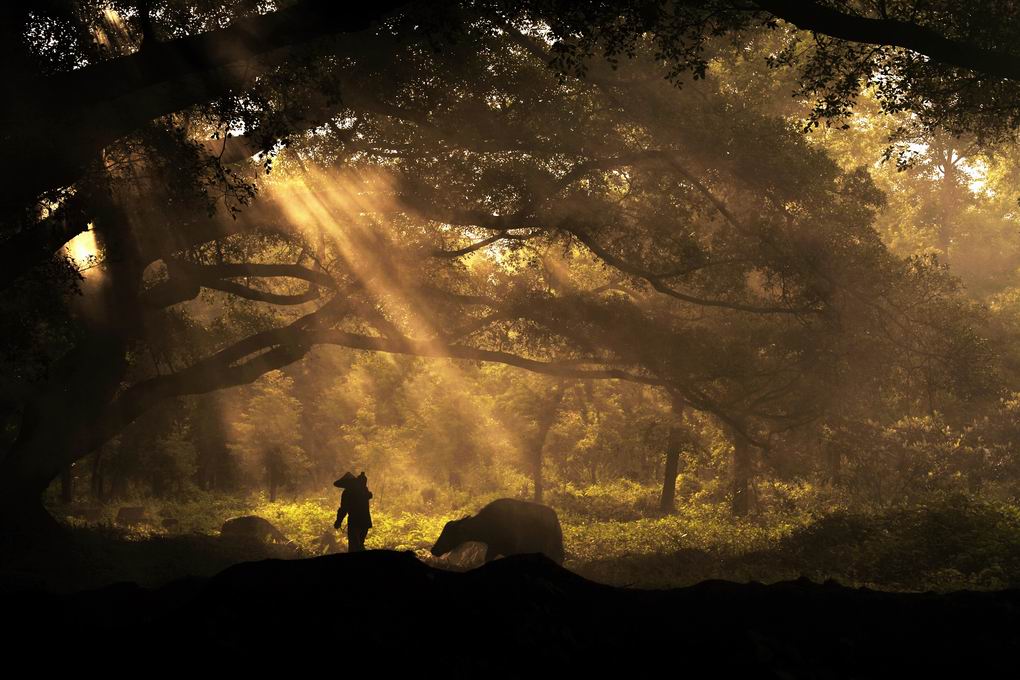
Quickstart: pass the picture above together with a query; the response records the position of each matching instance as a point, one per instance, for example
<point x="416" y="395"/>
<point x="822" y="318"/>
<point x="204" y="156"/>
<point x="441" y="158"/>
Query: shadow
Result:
<point x="519" y="616"/>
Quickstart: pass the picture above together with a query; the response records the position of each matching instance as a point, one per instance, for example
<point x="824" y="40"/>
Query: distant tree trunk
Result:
<point x="667" y="501"/>
<point x="214" y="469"/>
<point x="275" y="472"/>
<point x="835" y="466"/>
<point x="97" y="476"/>
<point x="741" y="476"/>
<point x="668" y="498"/>
<point x="67" y="485"/>
<point x="118" y="484"/>
<point x="949" y="199"/>
<point x="157" y="484"/>
<point x="537" y="480"/>
<point x="546" y="419"/>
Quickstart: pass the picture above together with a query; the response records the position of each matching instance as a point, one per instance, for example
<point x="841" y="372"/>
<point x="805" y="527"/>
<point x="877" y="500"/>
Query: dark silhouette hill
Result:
<point x="383" y="612"/>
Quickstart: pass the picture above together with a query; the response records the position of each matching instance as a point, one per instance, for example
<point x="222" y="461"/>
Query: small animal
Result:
<point x="91" y="515"/>
<point x="250" y="527"/>
<point x="507" y="527"/>
<point x="131" y="515"/>
<point x="326" y="544"/>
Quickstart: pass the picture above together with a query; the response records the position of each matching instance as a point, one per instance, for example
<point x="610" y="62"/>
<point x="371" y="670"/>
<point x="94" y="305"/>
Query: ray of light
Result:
<point x="348" y="209"/>
<point x="84" y="251"/>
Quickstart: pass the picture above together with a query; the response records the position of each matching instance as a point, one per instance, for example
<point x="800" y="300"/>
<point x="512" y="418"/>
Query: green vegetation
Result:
<point x="949" y="543"/>
<point x="474" y="252"/>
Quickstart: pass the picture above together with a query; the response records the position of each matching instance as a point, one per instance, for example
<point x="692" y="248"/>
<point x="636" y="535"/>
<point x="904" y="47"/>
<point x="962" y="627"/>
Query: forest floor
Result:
<point x="144" y="594"/>
<point x="943" y="545"/>
<point x="386" y="613"/>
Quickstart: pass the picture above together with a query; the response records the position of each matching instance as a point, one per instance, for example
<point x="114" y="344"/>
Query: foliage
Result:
<point x="943" y="543"/>
<point x="619" y="197"/>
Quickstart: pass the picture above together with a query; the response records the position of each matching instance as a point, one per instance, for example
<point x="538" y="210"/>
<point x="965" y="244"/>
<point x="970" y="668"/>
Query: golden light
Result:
<point x="349" y="209"/>
<point x="112" y="33"/>
<point x="84" y="250"/>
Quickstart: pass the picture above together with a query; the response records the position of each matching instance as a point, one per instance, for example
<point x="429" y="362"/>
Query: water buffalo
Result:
<point x="507" y="527"/>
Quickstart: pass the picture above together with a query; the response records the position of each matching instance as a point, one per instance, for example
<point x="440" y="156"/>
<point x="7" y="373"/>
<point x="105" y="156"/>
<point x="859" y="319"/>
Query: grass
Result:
<point x="611" y="535"/>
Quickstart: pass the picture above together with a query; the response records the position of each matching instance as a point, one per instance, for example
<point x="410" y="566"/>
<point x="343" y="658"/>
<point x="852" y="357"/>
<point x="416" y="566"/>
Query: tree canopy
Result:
<point x="583" y="190"/>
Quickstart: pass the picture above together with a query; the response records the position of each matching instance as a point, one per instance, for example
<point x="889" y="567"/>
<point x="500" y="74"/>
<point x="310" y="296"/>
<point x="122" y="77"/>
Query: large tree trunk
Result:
<point x="24" y="521"/>
<point x="741" y="476"/>
<point x="53" y="431"/>
<point x="57" y="424"/>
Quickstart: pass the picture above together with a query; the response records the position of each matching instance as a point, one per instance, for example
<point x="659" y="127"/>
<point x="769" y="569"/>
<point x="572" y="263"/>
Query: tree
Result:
<point x="265" y="434"/>
<point x="667" y="501"/>
<point x="637" y="299"/>
<point x="216" y="469"/>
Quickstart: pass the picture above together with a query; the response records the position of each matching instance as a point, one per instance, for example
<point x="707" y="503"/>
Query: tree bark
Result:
<point x="57" y="422"/>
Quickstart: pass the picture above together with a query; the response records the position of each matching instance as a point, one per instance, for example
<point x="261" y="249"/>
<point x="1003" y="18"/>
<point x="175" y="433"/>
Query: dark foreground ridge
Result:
<point x="524" y="616"/>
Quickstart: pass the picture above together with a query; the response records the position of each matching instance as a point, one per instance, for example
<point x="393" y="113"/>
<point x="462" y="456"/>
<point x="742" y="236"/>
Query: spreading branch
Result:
<point x="186" y="279"/>
<point x="819" y="18"/>
<point x="62" y="121"/>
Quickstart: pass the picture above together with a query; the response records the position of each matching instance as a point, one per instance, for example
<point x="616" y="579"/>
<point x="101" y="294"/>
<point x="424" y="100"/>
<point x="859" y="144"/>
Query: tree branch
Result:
<point x="657" y="283"/>
<point x="65" y="119"/>
<point x="186" y="279"/>
<point x="484" y="243"/>
<point x="813" y="16"/>
<point x="435" y="349"/>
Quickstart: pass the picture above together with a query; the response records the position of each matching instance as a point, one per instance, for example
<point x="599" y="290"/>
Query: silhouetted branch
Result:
<point x="186" y="279"/>
<point x="441" y="350"/>
<point x="62" y="120"/>
<point x="814" y="16"/>
<point x="484" y="243"/>
<point x="657" y="283"/>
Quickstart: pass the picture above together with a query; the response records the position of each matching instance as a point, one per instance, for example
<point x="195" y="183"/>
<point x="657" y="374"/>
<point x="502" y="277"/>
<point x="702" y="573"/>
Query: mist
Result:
<point x="648" y="297"/>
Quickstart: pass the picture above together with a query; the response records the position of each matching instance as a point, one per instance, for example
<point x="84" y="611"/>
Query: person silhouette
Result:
<point x="354" y="506"/>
